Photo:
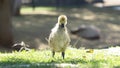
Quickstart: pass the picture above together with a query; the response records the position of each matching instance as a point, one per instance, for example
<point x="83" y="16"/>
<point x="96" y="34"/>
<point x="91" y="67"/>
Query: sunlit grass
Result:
<point x="37" y="10"/>
<point x="31" y="26"/>
<point x="74" y="57"/>
<point x="41" y="8"/>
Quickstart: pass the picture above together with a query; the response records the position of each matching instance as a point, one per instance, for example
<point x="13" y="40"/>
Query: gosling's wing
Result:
<point x="68" y="36"/>
<point x="50" y="38"/>
<point x="68" y="40"/>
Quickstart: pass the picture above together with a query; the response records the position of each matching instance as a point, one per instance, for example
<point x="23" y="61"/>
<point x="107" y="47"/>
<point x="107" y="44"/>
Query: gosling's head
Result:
<point x="62" y="20"/>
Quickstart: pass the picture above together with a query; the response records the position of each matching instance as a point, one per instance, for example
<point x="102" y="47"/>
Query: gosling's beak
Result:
<point x="62" y="25"/>
<point x="62" y="20"/>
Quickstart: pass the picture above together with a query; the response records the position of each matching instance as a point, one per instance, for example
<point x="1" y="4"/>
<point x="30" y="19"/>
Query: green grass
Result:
<point x="27" y="9"/>
<point x="78" y="58"/>
<point x="29" y="28"/>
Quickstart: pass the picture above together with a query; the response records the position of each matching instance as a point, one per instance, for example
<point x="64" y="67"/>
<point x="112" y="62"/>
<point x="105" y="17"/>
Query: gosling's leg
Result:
<point x="53" y="53"/>
<point x="63" y="54"/>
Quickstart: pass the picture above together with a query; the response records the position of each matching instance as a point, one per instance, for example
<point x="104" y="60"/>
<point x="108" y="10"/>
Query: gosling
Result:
<point x="59" y="38"/>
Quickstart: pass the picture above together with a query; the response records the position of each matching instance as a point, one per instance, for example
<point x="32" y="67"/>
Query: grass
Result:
<point x="30" y="9"/>
<point x="79" y="58"/>
<point x="29" y="28"/>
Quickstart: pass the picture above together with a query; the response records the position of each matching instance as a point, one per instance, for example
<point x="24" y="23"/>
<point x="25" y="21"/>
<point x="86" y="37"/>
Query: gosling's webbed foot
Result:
<point x="63" y="54"/>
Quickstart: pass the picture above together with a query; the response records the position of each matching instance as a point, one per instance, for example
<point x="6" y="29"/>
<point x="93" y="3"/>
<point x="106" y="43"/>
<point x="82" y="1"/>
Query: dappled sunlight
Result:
<point x="34" y="26"/>
<point x="85" y="17"/>
<point x="41" y="45"/>
<point x="39" y="12"/>
<point x="113" y="51"/>
<point x="112" y="2"/>
<point x="92" y="17"/>
<point x="77" y="15"/>
<point x="18" y="25"/>
<point x="64" y="65"/>
<point x="33" y="30"/>
<point x="114" y="27"/>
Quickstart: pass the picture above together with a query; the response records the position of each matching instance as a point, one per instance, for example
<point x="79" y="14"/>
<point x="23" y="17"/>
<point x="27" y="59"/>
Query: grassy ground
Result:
<point x="75" y="58"/>
<point x="33" y="27"/>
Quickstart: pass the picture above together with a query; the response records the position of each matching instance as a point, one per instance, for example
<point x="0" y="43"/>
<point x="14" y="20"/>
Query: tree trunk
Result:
<point x="6" y="37"/>
<point x="16" y="7"/>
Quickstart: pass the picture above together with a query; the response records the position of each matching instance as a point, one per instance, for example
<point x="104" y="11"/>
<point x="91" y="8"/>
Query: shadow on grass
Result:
<point x="34" y="28"/>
